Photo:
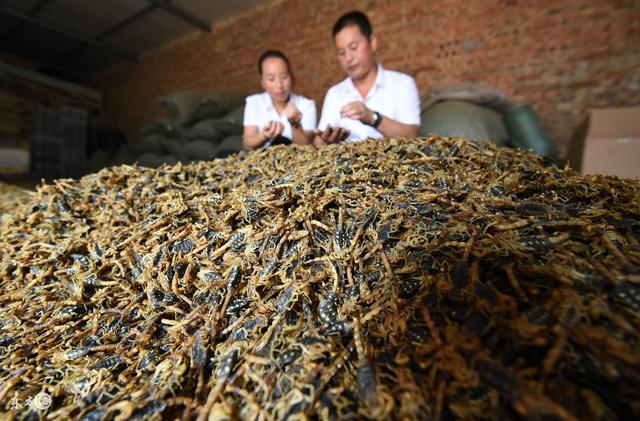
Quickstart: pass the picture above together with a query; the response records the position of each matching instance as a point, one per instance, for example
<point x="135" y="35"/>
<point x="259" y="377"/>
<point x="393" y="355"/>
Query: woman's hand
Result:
<point x="273" y="129"/>
<point x="293" y="115"/>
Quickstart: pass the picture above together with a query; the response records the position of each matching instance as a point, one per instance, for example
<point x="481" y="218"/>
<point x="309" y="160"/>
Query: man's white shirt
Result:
<point x="394" y="95"/>
<point x="259" y="111"/>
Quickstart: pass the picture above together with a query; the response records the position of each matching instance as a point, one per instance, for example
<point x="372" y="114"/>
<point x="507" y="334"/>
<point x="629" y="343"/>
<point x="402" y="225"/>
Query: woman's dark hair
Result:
<point x="273" y="54"/>
<point x="356" y="18"/>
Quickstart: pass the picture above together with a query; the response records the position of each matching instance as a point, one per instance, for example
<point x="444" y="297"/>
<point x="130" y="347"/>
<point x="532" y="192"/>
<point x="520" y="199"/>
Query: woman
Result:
<point x="277" y="115"/>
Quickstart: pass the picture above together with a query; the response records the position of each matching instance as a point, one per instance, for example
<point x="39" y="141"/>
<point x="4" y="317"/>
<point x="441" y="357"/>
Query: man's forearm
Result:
<point x="392" y="128"/>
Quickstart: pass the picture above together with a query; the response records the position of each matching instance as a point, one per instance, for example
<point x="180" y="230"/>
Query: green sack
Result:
<point x="189" y="107"/>
<point x="464" y="119"/>
<point x="164" y="126"/>
<point x="200" y="150"/>
<point x="173" y="147"/>
<point x="216" y="104"/>
<point x="206" y="130"/>
<point x="181" y="104"/>
<point x="150" y="159"/>
<point x="169" y="159"/>
<point x="527" y="132"/>
<point x="232" y="123"/>
<point x="230" y="145"/>
<point x="149" y="143"/>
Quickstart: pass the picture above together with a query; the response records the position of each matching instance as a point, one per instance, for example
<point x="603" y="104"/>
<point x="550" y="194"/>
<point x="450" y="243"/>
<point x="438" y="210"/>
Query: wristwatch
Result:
<point x="377" y="118"/>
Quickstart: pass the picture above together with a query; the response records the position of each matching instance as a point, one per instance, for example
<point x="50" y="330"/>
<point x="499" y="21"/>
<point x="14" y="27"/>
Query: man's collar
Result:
<point x="380" y="79"/>
<point x="378" y="83"/>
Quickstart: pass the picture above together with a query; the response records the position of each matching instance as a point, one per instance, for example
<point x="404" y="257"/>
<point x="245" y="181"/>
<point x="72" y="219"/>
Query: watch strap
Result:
<point x="377" y="119"/>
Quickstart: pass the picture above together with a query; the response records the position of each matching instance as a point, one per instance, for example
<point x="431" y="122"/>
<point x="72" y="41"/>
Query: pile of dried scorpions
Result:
<point x="433" y="278"/>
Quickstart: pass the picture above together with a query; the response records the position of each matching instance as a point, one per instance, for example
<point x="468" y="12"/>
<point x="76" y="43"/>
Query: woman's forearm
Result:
<point x="253" y="140"/>
<point x="300" y="136"/>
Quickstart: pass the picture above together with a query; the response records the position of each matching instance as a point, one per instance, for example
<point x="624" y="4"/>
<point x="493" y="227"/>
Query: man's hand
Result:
<point x="357" y="111"/>
<point x="332" y="134"/>
<point x="273" y="129"/>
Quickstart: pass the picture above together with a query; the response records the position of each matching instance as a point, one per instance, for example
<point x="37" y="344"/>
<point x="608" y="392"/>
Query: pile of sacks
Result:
<point x="200" y="126"/>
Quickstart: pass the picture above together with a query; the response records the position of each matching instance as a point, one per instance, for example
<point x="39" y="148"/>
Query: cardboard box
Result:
<point x="608" y="143"/>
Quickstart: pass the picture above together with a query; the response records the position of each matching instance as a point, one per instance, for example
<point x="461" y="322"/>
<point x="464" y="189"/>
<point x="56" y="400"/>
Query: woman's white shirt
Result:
<point x="259" y="111"/>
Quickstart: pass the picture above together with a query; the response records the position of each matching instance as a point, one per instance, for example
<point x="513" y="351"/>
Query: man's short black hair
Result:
<point x="273" y="54"/>
<point x="356" y="18"/>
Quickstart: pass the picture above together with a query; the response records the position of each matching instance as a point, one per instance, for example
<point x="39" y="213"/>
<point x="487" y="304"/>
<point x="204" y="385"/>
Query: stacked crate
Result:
<point x="59" y="143"/>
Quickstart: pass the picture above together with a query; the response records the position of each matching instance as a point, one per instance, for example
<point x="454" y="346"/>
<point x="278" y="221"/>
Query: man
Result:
<point x="371" y="101"/>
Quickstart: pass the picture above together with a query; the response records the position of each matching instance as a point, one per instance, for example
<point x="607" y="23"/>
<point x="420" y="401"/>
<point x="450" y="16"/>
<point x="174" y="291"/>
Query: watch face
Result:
<point x="376" y="119"/>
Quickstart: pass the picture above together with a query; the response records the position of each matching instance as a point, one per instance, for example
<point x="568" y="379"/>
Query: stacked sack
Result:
<point x="201" y="126"/>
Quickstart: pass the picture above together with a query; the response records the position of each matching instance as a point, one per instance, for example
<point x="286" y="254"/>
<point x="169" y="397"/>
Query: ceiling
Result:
<point x="72" y="39"/>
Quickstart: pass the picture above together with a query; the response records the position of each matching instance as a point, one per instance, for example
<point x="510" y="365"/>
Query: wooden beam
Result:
<point x="178" y="12"/>
<point x="45" y="66"/>
<point x="52" y="82"/>
<point x="19" y="25"/>
<point x="110" y="30"/>
<point x="70" y="34"/>
<point x="116" y="27"/>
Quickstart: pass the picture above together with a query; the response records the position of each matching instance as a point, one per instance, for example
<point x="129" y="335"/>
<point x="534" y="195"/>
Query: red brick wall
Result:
<point x="561" y="56"/>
